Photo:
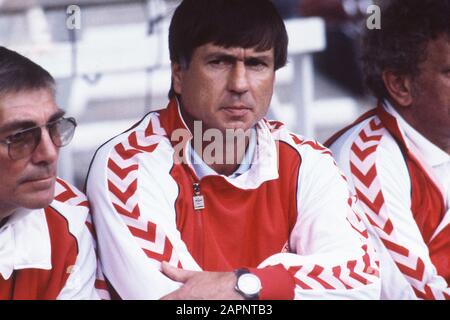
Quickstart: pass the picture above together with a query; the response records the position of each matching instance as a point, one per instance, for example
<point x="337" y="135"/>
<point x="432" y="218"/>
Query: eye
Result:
<point x="221" y="61"/>
<point x="217" y="62"/>
<point x="18" y="136"/>
<point x="256" y="64"/>
<point x="22" y="139"/>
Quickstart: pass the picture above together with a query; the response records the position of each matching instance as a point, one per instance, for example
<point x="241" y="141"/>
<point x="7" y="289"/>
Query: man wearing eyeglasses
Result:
<point x="46" y="249"/>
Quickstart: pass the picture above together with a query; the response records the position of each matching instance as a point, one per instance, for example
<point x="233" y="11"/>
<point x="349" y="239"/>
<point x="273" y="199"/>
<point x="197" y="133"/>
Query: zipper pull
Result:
<point x="199" y="201"/>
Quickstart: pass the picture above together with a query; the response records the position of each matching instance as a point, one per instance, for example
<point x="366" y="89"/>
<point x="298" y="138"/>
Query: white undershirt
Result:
<point x="202" y="169"/>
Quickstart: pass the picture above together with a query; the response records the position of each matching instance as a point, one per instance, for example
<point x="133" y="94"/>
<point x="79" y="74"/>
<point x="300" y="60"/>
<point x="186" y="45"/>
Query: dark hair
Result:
<point x="401" y="43"/>
<point x="18" y="73"/>
<point x="228" y="23"/>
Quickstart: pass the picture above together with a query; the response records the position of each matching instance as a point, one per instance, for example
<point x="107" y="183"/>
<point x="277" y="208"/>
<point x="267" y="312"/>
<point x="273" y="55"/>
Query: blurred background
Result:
<point x="111" y="63"/>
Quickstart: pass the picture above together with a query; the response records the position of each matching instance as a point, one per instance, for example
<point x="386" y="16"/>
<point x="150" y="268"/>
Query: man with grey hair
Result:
<point x="46" y="249"/>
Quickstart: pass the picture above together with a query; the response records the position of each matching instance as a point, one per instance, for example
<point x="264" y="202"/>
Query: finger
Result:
<point x="176" y="274"/>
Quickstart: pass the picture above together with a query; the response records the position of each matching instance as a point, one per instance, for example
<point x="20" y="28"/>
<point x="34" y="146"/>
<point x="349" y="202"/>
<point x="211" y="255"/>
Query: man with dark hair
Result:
<point x="46" y="250"/>
<point x="206" y="199"/>
<point x="397" y="155"/>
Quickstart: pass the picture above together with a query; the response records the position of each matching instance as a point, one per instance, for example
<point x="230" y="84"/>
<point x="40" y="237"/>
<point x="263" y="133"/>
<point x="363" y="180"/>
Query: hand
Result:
<point x="201" y="285"/>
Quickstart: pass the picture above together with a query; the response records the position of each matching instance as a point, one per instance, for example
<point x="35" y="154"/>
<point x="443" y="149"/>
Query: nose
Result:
<point x="46" y="152"/>
<point x="237" y="80"/>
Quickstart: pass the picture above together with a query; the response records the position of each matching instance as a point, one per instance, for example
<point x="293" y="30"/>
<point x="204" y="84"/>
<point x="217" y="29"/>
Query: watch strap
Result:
<point x="239" y="272"/>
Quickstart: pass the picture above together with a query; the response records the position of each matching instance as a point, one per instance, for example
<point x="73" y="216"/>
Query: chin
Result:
<point x="238" y="126"/>
<point x="38" y="204"/>
<point x="38" y="200"/>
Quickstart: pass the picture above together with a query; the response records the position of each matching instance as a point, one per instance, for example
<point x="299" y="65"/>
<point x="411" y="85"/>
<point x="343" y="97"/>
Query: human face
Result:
<point x="225" y="88"/>
<point x="27" y="182"/>
<point x="430" y="108"/>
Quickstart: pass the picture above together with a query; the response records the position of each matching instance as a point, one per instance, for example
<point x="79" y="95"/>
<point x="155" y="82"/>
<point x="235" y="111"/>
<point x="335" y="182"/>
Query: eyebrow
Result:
<point x="26" y="124"/>
<point x="230" y="57"/>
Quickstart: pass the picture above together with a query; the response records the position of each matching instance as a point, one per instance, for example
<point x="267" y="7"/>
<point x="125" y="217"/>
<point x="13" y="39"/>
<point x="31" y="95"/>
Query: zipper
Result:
<point x="198" y="200"/>
<point x="198" y="204"/>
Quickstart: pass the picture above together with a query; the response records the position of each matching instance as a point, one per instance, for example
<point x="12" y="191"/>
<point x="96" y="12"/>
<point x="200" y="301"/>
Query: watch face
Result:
<point x="249" y="284"/>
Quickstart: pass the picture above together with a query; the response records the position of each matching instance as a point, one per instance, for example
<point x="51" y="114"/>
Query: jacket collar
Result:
<point x="25" y="242"/>
<point x="393" y="125"/>
<point x="202" y="169"/>
<point x="264" y="164"/>
<point x="434" y="155"/>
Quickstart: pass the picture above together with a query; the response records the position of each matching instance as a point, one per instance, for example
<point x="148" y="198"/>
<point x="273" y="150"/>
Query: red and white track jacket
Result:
<point x="48" y="253"/>
<point x="288" y="218"/>
<point x="403" y="182"/>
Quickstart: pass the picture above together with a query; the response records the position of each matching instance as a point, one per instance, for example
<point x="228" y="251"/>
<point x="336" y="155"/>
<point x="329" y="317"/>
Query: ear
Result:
<point x="399" y="87"/>
<point x="177" y="77"/>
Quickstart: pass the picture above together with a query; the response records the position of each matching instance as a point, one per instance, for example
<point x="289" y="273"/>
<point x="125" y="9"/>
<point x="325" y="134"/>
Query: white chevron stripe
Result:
<point x="125" y="183"/>
<point x="147" y="141"/>
<point x="371" y="193"/>
<point x="410" y="261"/>
<point x="131" y="202"/>
<point x="302" y="276"/>
<point x="156" y="125"/>
<point x="363" y="166"/>
<point x="359" y="268"/>
<point x="376" y="120"/>
<point x="364" y="145"/>
<point x="370" y="133"/>
<point x="380" y="218"/>
<point x="345" y="277"/>
<point x="158" y="246"/>
<point x="332" y="280"/>
<point x="420" y="285"/>
<point x="139" y="223"/>
<point x="59" y="189"/>
<point x="120" y="161"/>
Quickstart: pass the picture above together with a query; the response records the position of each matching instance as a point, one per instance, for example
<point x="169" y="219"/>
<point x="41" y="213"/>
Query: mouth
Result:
<point x="40" y="180"/>
<point x="237" y="111"/>
<point x="39" y="184"/>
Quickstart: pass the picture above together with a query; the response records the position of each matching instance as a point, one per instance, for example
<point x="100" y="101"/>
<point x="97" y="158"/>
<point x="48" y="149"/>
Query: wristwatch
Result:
<point x="248" y="284"/>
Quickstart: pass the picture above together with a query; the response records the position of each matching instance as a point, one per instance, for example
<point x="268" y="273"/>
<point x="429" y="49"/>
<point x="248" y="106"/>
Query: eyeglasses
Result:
<point x="23" y="143"/>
